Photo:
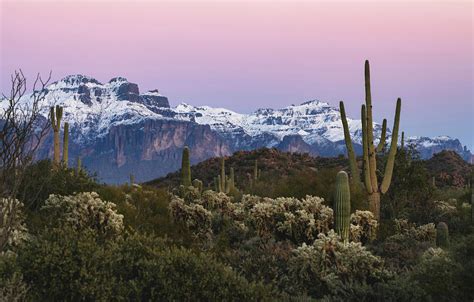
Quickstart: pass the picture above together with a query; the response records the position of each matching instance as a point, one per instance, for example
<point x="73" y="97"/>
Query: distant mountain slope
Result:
<point x="118" y="130"/>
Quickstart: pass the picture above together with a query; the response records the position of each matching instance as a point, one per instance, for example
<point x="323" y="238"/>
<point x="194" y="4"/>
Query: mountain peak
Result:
<point x="118" y="79"/>
<point x="75" y="80"/>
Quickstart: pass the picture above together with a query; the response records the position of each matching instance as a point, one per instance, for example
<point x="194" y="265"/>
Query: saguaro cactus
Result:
<point x="342" y="206"/>
<point x="185" y="168"/>
<point x="369" y="151"/>
<point x="79" y="166"/>
<point x="403" y="140"/>
<point x="232" y="179"/>
<point x="56" y="116"/>
<point x="222" y="175"/>
<point x="442" y="235"/>
<point x="66" y="145"/>
<point x="255" y="170"/>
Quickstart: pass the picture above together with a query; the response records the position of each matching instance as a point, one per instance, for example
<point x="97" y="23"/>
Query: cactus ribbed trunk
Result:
<point x="66" y="145"/>
<point x="342" y="206"/>
<point x="374" y="204"/>
<point x="185" y="168"/>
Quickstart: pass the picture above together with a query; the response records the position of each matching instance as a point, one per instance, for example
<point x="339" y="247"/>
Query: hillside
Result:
<point x="271" y="162"/>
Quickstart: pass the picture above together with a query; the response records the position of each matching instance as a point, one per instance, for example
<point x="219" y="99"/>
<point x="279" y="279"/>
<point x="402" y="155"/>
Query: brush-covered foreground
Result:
<point x="271" y="237"/>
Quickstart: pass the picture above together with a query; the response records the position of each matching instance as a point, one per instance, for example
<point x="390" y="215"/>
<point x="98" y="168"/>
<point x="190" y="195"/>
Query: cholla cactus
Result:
<point x="442" y="235"/>
<point x="342" y="206"/>
<point x="363" y="226"/>
<point x="84" y="210"/>
<point x="12" y="228"/>
<point x="332" y="262"/>
<point x="194" y="216"/>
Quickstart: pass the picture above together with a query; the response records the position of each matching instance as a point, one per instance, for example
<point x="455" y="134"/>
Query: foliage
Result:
<point x="41" y="179"/>
<point x="329" y="263"/>
<point x="83" y="210"/>
<point x="67" y="265"/>
<point x="13" y="230"/>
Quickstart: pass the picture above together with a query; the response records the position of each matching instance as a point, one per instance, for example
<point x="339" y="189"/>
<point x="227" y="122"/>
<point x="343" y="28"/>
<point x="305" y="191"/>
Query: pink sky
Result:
<point x="245" y="55"/>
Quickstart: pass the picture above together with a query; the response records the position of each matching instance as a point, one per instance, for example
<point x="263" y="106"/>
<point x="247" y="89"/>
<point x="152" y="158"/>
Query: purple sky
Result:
<point x="244" y="55"/>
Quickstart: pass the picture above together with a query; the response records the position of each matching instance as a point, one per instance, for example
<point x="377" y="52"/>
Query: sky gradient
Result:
<point x="246" y="55"/>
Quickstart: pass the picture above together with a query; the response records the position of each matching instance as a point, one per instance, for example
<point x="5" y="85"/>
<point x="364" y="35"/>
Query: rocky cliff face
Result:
<point x="118" y="130"/>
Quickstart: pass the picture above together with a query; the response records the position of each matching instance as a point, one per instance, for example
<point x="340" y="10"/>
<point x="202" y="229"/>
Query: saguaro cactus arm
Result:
<point x="393" y="150"/>
<point x="349" y="147"/>
<point x="365" y="151"/>
<point x="382" y="136"/>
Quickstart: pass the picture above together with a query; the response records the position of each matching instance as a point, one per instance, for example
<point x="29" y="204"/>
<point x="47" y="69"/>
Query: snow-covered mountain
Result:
<point x="117" y="130"/>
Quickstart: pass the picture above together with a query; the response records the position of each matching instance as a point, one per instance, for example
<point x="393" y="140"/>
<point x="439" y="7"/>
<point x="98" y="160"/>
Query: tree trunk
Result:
<point x="374" y="204"/>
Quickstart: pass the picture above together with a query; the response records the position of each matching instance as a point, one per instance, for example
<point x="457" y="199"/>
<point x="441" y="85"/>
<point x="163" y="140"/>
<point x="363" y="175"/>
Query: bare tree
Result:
<point x="22" y="129"/>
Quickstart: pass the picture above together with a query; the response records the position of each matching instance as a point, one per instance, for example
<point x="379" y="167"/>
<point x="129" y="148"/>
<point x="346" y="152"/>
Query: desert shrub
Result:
<point x="12" y="286"/>
<point x="12" y="226"/>
<point x="463" y="253"/>
<point x="363" y="226"/>
<point x="403" y="249"/>
<point x="41" y="179"/>
<point x="260" y="259"/>
<point x="69" y="265"/>
<point x="436" y="274"/>
<point x="83" y="210"/>
<point x="329" y="264"/>
<point x="66" y="264"/>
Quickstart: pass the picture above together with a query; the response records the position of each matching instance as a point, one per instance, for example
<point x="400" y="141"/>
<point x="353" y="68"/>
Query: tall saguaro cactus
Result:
<point x="56" y="116"/>
<point x="369" y="150"/>
<point x="342" y="206"/>
<point x="185" y="168"/>
<point x="66" y="145"/>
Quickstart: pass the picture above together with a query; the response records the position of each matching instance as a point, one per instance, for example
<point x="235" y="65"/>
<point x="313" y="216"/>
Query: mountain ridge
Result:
<point x="116" y="129"/>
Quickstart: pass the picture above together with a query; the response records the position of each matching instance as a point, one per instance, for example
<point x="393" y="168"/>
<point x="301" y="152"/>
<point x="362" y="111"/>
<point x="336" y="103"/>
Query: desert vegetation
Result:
<point x="255" y="226"/>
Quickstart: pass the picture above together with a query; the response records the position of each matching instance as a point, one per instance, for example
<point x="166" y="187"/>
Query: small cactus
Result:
<point x="442" y="235"/>
<point x="79" y="166"/>
<point x="255" y="170"/>
<point x="342" y="206"/>
<point x="198" y="185"/>
<point x="185" y="168"/>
